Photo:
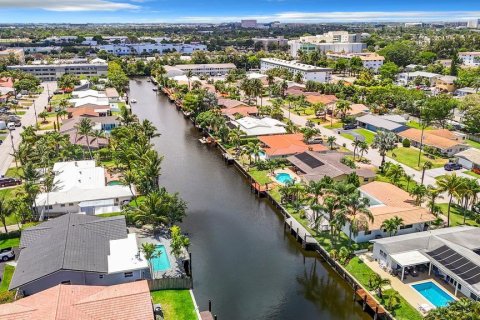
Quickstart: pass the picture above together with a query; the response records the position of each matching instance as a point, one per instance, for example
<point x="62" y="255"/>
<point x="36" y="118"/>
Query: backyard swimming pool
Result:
<point x="433" y="293"/>
<point x="114" y="183"/>
<point x="283" y="177"/>
<point x="160" y="262"/>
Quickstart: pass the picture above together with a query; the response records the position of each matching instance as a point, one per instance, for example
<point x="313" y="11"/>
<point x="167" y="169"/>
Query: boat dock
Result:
<point x="368" y="300"/>
<point x="300" y="233"/>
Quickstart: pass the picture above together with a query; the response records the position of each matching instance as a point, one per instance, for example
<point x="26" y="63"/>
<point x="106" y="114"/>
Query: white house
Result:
<point x="471" y="59"/>
<point x="259" y="127"/>
<point x="308" y="72"/>
<point x="212" y="69"/>
<point x="370" y="60"/>
<point x="469" y="159"/>
<point x="80" y="187"/>
<point x="448" y="253"/>
<point x="406" y="77"/>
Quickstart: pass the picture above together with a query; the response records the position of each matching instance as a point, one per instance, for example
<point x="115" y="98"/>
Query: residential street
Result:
<point x="28" y="119"/>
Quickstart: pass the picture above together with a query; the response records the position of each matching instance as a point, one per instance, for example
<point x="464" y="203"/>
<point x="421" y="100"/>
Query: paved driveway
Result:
<point x="437" y="172"/>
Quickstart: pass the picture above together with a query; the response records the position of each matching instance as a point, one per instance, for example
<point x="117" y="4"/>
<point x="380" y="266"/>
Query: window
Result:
<point x="66" y="282"/>
<point x="70" y="204"/>
<point x="383" y="254"/>
<point x="100" y="276"/>
<point x="407" y="226"/>
<point x="473" y="296"/>
<point x="367" y="232"/>
<point x="128" y="274"/>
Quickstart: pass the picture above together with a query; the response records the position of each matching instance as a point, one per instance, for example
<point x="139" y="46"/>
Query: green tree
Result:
<point x="6" y="210"/>
<point x="463" y="309"/>
<point x="150" y="252"/>
<point x="451" y="184"/>
<point x="391" y="225"/>
<point x="384" y="141"/>
<point x="389" y="71"/>
<point x="178" y="242"/>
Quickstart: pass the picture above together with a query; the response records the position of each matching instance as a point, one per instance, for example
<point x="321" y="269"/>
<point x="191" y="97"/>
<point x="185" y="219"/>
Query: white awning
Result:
<point x="410" y="258"/>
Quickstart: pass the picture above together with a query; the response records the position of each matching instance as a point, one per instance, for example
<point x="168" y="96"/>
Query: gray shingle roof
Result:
<point x="379" y="122"/>
<point x="70" y="242"/>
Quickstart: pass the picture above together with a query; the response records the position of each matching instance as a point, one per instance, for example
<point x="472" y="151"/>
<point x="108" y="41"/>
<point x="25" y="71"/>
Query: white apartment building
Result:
<point x="151" y="48"/>
<point x="317" y="74"/>
<point x="211" y="69"/>
<point x="51" y="72"/>
<point x="345" y="47"/>
<point x="471" y="59"/>
<point x="370" y="60"/>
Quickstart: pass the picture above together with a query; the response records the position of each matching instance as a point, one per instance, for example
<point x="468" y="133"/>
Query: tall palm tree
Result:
<point x="363" y="148"/>
<point x="129" y="179"/>
<point x="151" y="211"/>
<point x="395" y="172"/>
<point x="384" y="141"/>
<point x="84" y="128"/>
<point x="391" y="225"/>
<point x="235" y="137"/>
<point x="452" y="185"/>
<point x="426" y="166"/>
<point x="150" y="252"/>
<point x="331" y="141"/>
<point x="6" y="210"/>
<point x="468" y="192"/>
<point x="343" y="107"/>
<point x="356" y="143"/>
<point x="419" y="191"/>
<point x="357" y="212"/>
<point x="149" y="130"/>
<point x="432" y="195"/>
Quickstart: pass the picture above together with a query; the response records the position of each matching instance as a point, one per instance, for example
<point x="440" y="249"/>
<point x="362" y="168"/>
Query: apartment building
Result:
<point x="370" y="60"/>
<point x="211" y="69"/>
<point x="51" y="72"/>
<point x="122" y="49"/>
<point x="306" y="46"/>
<point x="308" y="72"/>
<point x="471" y="59"/>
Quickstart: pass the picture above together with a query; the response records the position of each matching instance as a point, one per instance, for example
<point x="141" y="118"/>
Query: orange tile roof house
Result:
<point x="388" y="201"/>
<point x="129" y="301"/>
<point x="230" y="108"/>
<point x="287" y="145"/>
<point x="326" y="99"/>
<point x="436" y="139"/>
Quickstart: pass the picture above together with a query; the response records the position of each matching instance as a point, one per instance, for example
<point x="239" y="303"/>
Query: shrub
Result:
<point x="7" y="296"/>
<point x="406" y="143"/>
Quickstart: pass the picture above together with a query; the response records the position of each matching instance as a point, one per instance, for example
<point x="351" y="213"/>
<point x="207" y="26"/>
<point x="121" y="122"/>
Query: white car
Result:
<point x="11" y="126"/>
<point x="7" y="254"/>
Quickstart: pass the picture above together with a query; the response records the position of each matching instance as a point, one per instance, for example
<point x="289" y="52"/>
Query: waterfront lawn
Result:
<point x="7" y="277"/>
<point x="473" y="144"/>
<point x="360" y="271"/>
<point x="404" y="310"/>
<point x="176" y="304"/>
<point x="260" y="176"/>
<point x="409" y="157"/>
<point x="456" y="215"/>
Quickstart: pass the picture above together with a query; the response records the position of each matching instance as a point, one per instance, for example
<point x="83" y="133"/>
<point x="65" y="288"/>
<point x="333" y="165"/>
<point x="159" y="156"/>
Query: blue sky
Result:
<point x="156" y="11"/>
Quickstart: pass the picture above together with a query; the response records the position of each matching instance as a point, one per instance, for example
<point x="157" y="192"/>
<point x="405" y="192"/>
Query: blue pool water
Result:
<point x="114" y="183"/>
<point x="437" y="296"/>
<point x="283" y="177"/>
<point x="161" y="262"/>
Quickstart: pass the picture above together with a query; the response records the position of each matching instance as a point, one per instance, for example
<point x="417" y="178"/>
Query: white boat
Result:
<point x="133" y="101"/>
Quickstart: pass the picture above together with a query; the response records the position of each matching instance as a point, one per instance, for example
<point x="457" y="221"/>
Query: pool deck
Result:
<point x="405" y="288"/>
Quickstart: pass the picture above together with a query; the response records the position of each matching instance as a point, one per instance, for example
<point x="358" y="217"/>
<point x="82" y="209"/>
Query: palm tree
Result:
<point x="178" y="241"/>
<point x="150" y="252"/>
<point x="408" y="178"/>
<point x="235" y="137"/>
<point x="377" y="282"/>
<point x="468" y="192"/>
<point x="43" y="115"/>
<point x="331" y="141"/>
<point x="84" y="128"/>
<point x="356" y="143"/>
<point x="363" y="148"/>
<point x="395" y="172"/>
<point x="426" y="166"/>
<point x="6" y="210"/>
<point x="343" y="107"/>
<point x="151" y="210"/>
<point x="357" y="212"/>
<point x="432" y="195"/>
<point x="129" y="179"/>
<point x="318" y="108"/>
<point x="385" y="141"/>
<point x="452" y="185"/>
<point x="391" y="225"/>
<point x="149" y="130"/>
<point x="418" y="192"/>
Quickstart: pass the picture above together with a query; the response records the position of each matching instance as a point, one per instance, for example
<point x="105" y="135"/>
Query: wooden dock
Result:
<point x="206" y="315"/>
<point x="368" y="300"/>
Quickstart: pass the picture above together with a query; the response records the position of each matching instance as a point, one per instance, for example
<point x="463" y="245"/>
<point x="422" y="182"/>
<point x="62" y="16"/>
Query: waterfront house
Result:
<point x="451" y="254"/>
<point x="89" y="110"/>
<point x="259" y="127"/>
<point x="232" y="108"/>
<point x="388" y="201"/>
<point x="445" y="142"/>
<point x="78" y="249"/>
<point x="284" y="145"/>
<point x="313" y="166"/>
<point x="112" y="95"/>
<point x="128" y="301"/>
<point x="376" y="123"/>
<point x="80" y="186"/>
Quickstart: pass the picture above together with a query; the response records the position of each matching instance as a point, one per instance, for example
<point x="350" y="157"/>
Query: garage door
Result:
<point x="465" y="163"/>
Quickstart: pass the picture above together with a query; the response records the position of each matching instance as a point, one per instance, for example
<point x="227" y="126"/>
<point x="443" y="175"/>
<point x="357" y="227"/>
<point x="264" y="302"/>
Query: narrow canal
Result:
<point x="242" y="260"/>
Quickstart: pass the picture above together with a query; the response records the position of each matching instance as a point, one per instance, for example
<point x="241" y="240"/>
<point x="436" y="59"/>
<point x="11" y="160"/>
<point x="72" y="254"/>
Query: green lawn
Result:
<point x="367" y="134"/>
<point x="176" y="304"/>
<point x="13" y="242"/>
<point x="336" y="125"/>
<point x="111" y="214"/>
<point x="55" y="101"/>
<point x="404" y="311"/>
<point x="14" y="172"/>
<point x="456" y="215"/>
<point x="347" y="135"/>
<point x="473" y="144"/>
<point x="260" y="176"/>
<point x="360" y="271"/>
<point x="7" y="192"/>
<point x="409" y="157"/>
<point x="473" y="174"/>
<point x="416" y="125"/>
<point x="7" y="277"/>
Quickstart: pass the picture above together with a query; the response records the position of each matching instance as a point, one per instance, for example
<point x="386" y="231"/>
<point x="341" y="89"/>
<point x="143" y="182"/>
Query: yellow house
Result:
<point x="446" y="83"/>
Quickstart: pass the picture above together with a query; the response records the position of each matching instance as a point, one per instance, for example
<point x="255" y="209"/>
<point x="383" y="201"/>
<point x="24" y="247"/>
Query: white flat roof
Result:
<point x="125" y="255"/>
<point x="295" y="65"/>
<point x="410" y="258"/>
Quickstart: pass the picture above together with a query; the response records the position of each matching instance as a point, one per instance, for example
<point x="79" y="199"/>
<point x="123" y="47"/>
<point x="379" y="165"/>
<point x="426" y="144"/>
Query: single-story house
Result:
<point x="449" y="253"/>
<point x="112" y="95"/>
<point x="127" y="301"/>
<point x="284" y="145"/>
<point x="435" y="139"/>
<point x="358" y="109"/>
<point x="106" y="123"/>
<point x="81" y="187"/>
<point x="388" y="201"/>
<point x="6" y="82"/>
<point x="313" y="166"/>
<point x="89" y="110"/>
<point x="462" y="92"/>
<point x="87" y="93"/>
<point x="78" y="249"/>
<point x="231" y="107"/>
<point x="377" y="123"/>
<point x="79" y="102"/>
<point x="259" y="127"/>
<point x="469" y="159"/>
<point x="394" y="118"/>
<point x="446" y="83"/>
<point x="328" y="100"/>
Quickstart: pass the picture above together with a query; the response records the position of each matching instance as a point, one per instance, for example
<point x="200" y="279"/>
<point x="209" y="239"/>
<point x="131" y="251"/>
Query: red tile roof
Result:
<point x="288" y="144"/>
<point x="6" y="82"/>
<point x="244" y="111"/>
<point x="129" y="301"/>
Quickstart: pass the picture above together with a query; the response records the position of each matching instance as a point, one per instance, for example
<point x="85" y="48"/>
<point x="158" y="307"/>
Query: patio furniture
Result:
<point x="424" y="307"/>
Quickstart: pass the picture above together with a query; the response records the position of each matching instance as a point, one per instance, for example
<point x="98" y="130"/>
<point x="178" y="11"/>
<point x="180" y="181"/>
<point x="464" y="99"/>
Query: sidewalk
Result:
<point x="28" y="119"/>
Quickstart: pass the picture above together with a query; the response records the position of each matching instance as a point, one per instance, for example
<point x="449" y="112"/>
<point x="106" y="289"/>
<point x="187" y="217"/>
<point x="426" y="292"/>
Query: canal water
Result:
<point x="242" y="259"/>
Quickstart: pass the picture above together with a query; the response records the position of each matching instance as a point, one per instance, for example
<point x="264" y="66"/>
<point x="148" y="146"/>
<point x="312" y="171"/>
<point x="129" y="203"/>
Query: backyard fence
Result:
<point x="170" y="283"/>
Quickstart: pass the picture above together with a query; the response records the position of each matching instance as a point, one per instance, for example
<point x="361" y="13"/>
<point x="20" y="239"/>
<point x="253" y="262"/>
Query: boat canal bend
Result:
<point x="241" y="257"/>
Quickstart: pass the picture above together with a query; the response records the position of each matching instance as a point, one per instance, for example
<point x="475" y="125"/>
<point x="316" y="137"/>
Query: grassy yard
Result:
<point x="14" y="172"/>
<point x="473" y="174"/>
<point x="473" y="144"/>
<point x="7" y="192"/>
<point x="409" y="157"/>
<point x="6" y="243"/>
<point x="55" y="101"/>
<point x="336" y="125"/>
<point x="360" y="271"/>
<point x="416" y="125"/>
<point x="404" y="311"/>
<point x="348" y="136"/>
<point x="176" y="304"/>
<point x="48" y="124"/>
<point x="260" y="176"/>
<point x="456" y="215"/>
<point x="367" y="134"/>
<point x="7" y="277"/>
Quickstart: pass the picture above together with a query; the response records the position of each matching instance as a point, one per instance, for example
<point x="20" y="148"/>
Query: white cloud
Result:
<point x="345" y="16"/>
<point x="67" y="5"/>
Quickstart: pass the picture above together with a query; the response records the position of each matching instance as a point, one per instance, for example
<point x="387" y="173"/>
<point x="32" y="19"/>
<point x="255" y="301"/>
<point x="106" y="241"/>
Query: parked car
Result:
<point x="9" y="182"/>
<point x="18" y="124"/>
<point x="11" y="126"/>
<point x="315" y="140"/>
<point x="476" y="207"/>
<point x="452" y="166"/>
<point x="349" y="126"/>
<point x="7" y="254"/>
